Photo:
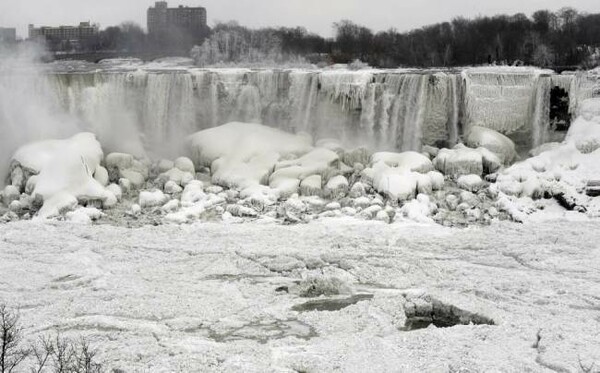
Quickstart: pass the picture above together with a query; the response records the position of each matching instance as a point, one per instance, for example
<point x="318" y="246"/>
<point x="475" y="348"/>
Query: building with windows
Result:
<point x="65" y="37"/>
<point x="8" y="35"/>
<point x="183" y="21"/>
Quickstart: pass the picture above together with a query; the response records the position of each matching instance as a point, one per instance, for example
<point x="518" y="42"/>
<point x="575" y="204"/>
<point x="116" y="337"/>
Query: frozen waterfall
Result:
<point x="148" y="109"/>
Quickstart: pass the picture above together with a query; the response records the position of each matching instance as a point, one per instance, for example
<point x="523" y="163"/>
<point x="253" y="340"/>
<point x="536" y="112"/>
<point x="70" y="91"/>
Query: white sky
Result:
<point x="315" y="15"/>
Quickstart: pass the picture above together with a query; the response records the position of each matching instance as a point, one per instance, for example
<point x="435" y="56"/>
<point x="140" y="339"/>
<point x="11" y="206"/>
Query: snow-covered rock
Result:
<point x="152" y="198"/>
<point x="125" y="185"/>
<point x="165" y="165"/>
<point x="358" y="190"/>
<point x="315" y="162"/>
<point x="116" y="191"/>
<point x="119" y="161"/>
<point x="9" y="194"/>
<point x="311" y="186"/>
<point x="176" y="175"/>
<point x="293" y="209"/>
<point x="171" y="187"/>
<point x="244" y="154"/>
<point x="472" y="183"/>
<point x="64" y="171"/>
<point x="136" y="179"/>
<point x="336" y="187"/>
<point x="125" y="166"/>
<point x="419" y="209"/>
<point x="185" y="164"/>
<point x="17" y="177"/>
<point x="492" y="140"/>
<point x="437" y="180"/>
<point x="407" y="161"/>
<point x="84" y="215"/>
<point x="394" y="183"/>
<point x="193" y="193"/>
<point x="101" y="175"/>
<point x="171" y="206"/>
<point x="459" y="161"/>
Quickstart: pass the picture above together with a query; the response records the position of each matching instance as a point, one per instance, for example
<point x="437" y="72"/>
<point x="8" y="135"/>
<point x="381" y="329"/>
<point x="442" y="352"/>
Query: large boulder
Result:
<point x="459" y="161"/>
<point x="242" y="155"/>
<point x="493" y="141"/>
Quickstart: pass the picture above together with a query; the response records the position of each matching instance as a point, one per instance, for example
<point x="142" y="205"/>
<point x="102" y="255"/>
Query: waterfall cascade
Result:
<point x="384" y="109"/>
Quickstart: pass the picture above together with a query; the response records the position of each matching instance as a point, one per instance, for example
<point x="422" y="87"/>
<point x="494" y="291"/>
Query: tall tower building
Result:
<point x="183" y="20"/>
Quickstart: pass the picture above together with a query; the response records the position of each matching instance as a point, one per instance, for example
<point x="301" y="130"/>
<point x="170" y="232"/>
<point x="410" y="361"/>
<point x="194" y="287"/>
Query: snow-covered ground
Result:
<point x="224" y="297"/>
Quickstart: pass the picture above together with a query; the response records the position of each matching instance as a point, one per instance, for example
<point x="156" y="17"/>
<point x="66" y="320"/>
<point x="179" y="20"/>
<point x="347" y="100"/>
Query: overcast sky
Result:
<point x="315" y="15"/>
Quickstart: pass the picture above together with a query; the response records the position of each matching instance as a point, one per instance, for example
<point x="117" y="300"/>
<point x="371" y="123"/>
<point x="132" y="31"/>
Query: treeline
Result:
<point x="563" y="38"/>
<point x="547" y="39"/>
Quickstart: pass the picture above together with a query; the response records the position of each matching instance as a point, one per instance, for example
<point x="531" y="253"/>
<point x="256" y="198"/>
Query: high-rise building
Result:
<point x="8" y="35"/>
<point x="65" y="37"/>
<point x="183" y="21"/>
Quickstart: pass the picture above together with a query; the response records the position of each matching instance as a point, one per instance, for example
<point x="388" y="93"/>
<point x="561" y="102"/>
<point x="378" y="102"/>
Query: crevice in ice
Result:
<point x="331" y="304"/>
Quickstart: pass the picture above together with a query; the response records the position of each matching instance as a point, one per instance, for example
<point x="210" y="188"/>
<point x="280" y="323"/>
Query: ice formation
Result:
<point x="385" y="139"/>
<point x="64" y="173"/>
<point x="153" y="109"/>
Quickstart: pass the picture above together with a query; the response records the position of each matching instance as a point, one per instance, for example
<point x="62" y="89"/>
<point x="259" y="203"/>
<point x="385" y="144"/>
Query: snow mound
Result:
<point x="563" y="171"/>
<point x="65" y="172"/>
<point x="244" y="154"/>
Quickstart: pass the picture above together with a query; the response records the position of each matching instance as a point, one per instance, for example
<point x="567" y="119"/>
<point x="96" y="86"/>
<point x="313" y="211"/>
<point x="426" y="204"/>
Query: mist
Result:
<point x="32" y="107"/>
<point x="28" y="110"/>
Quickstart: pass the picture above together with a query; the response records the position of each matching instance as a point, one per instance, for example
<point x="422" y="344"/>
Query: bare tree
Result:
<point x="41" y="353"/>
<point x="11" y="356"/>
<point x="62" y="355"/>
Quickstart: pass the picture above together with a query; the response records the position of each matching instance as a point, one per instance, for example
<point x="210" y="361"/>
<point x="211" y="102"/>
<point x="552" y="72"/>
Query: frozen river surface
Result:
<point x="225" y="297"/>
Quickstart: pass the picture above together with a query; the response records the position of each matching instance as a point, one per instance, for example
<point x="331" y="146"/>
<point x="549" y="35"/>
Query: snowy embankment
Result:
<point x="569" y="171"/>
<point x="248" y="171"/>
